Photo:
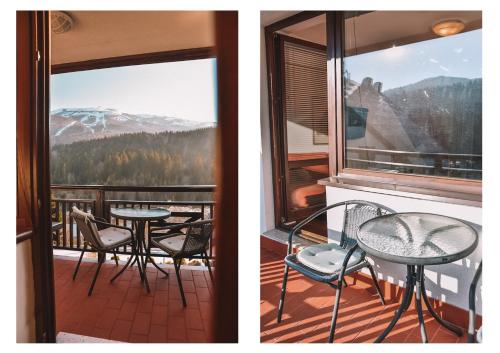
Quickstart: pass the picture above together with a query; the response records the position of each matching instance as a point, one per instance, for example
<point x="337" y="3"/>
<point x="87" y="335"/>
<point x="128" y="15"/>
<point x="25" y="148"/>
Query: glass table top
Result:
<point x="417" y="238"/>
<point x="140" y="214"/>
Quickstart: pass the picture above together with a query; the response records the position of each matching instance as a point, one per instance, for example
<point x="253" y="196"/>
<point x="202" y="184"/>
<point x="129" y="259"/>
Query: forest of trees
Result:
<point x="138" y="159"/>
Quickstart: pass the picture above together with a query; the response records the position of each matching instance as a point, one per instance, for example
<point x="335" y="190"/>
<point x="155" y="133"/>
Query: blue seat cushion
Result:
<point x="327" y="258"/>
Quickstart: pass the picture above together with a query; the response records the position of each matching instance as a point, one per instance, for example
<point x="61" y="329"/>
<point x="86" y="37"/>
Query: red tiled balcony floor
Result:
<point x="124" y="311"/>
<point x="308" y="311"/>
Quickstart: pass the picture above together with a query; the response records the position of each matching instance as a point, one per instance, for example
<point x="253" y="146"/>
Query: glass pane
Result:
<point x="413" y="99"/>
<point x="306" y="116"/>
<point x="141" y="125"/>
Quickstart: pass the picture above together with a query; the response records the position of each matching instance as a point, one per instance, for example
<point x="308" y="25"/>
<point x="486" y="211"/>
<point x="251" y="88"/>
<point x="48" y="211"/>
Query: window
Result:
<point x="141" y="125"/>
<point x="412" y="99"/>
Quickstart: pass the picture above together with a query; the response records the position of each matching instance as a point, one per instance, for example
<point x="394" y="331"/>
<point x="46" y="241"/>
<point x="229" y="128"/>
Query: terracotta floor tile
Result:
<point x="141" y="324"/>
<point x="124" y="311"/>
<point x="135" y="338"/>
<point x="121" y="331"/>
<point x="308" y="310"/>
<point x="158" y="334"/>
<point x="196" y="336"/>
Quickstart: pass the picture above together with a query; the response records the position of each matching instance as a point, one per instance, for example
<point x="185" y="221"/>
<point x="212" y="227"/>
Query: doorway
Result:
<point x="300" y="99"/>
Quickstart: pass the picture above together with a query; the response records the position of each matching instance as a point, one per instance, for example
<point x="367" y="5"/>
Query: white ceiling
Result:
<point x="105" y="34"/>
<point x="381" y="26"/>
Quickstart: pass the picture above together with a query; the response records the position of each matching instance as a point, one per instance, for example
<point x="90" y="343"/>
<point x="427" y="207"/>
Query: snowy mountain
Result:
<point x="68" y="125"/>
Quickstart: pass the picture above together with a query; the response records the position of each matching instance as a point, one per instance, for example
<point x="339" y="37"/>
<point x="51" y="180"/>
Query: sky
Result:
<point x="457" y="56"/>
<point x="185" y="89"/>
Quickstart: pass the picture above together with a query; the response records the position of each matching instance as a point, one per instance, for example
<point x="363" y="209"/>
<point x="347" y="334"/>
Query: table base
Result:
<point x="415" y="279"/>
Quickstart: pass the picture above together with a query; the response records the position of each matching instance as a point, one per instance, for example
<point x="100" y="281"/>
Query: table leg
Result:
<point x="150" y="258"/>
<point x="418" y="302"/>
<point x="410" y="280"/>
<point x="454" y="328"/>
<point x="140" y="239"/>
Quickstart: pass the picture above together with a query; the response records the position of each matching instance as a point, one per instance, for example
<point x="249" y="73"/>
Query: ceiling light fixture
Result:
<point x="61" y="22"/>
<point x="448" y="27"/>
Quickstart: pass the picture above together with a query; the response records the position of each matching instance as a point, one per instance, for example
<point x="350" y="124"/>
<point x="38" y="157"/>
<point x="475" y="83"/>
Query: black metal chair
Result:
<point x="472" y="335"/>
<point x="180" y="245"/>
<point x="330" y="262"/>
<point x="102" y="237"/>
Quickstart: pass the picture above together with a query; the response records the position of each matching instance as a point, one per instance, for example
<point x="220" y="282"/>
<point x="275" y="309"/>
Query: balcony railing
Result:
<point x="460" y="165"/>
<point x="99" y="199"/>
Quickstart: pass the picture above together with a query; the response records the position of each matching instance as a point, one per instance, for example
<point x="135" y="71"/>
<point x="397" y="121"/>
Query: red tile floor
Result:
<point x="124" y="311"/>
<point x="308" y="311"/>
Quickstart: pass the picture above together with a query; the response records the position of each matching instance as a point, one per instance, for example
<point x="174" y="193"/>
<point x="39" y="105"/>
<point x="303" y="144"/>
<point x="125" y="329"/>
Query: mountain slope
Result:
<point x="68" y="125"/>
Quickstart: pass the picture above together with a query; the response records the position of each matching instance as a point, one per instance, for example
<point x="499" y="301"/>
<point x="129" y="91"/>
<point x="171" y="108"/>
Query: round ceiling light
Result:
<point x="448" y="27"/>
<point x="61" y="22"/>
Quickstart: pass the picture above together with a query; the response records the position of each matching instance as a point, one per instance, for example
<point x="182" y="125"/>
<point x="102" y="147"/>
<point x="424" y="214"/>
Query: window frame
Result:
<point x="135" y="59"/>
<point x="448" y="189"/>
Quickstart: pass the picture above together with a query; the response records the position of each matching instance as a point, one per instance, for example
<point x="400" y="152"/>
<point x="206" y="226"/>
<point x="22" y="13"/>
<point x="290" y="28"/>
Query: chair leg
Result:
<point x="123" y="269"/>
<point x="116" y="259"/>
<point x="207" y="261"/>
<point x="78" y="264"/>
<point x="375" y="282"/>
<point x="283" y="292"/>
<point x="101" y="261"/>
<point x="178" y="274"/>
<point x="335" y="312"/>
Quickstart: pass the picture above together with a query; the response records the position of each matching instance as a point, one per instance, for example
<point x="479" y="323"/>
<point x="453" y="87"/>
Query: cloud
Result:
<point x="432" y="60"/>
<point x="444" y="68"/>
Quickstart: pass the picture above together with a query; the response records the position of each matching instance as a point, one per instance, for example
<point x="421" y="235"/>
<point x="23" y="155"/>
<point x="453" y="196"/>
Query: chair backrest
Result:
<point x="355" y="214"/>
<point x="197" y="236"/>
<point x="88" y="228"/>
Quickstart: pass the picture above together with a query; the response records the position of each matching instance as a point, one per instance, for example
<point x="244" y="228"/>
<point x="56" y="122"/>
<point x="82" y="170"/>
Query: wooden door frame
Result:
<point x="225" y="310"/>
<point x="36" y="56"/>
<point x="275" y="72"/>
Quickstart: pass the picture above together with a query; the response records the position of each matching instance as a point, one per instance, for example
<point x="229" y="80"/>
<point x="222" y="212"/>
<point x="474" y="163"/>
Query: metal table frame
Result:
<point x="415" y="280"/>
<point x="140" y="229"/>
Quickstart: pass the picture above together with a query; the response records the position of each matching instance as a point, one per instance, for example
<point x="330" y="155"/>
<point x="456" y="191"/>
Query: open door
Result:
<point x="33" y="192"/>
<point x="300" y="120"/>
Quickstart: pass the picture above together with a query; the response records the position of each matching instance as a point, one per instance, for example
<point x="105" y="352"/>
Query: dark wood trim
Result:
<point x="225" y="310"/>
<point x="286" y="22"/>
<point x="136" y="59"/>
<point x="273" y="84"/>
<point x="24" y="236"/>
<point x="42" y="243"/>
<point x="332" y="90"/>
<point x="167" y="188"/>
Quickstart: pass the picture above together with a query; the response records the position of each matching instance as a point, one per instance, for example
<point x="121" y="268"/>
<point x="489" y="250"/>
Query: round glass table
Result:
<point x="416" y="240"/>
<point x="140" y="216"/>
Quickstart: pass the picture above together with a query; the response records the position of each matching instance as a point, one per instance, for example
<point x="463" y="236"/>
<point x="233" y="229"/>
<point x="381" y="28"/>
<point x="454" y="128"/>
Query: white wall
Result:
<point x="266" y="182"/>
<point x="302" y="140"/>
<point x="450" y="282"/>
<point x="25" y="300"/>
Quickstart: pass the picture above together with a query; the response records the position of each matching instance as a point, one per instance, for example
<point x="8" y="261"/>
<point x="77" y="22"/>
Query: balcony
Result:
<point x="124" y="311"/>
<point x="308" y="310"/>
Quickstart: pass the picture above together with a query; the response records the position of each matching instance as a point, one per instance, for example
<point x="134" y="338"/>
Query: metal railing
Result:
<point x="100" y="199"/>
<point x="462" y="165"/>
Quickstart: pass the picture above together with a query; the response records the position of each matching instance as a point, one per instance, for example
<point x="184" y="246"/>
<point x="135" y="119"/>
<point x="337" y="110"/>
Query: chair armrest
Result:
<point x="166" y="236"/>
<point x="345" y="262"/>
<point x="172" y="227"/>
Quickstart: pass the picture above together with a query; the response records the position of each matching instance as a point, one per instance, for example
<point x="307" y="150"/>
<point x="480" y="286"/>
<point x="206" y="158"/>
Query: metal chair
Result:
<point x="330" y="262"/>
<point x="102" y="237"/>
<point x="472" y="335"/>
<point x="180" y="245"/>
